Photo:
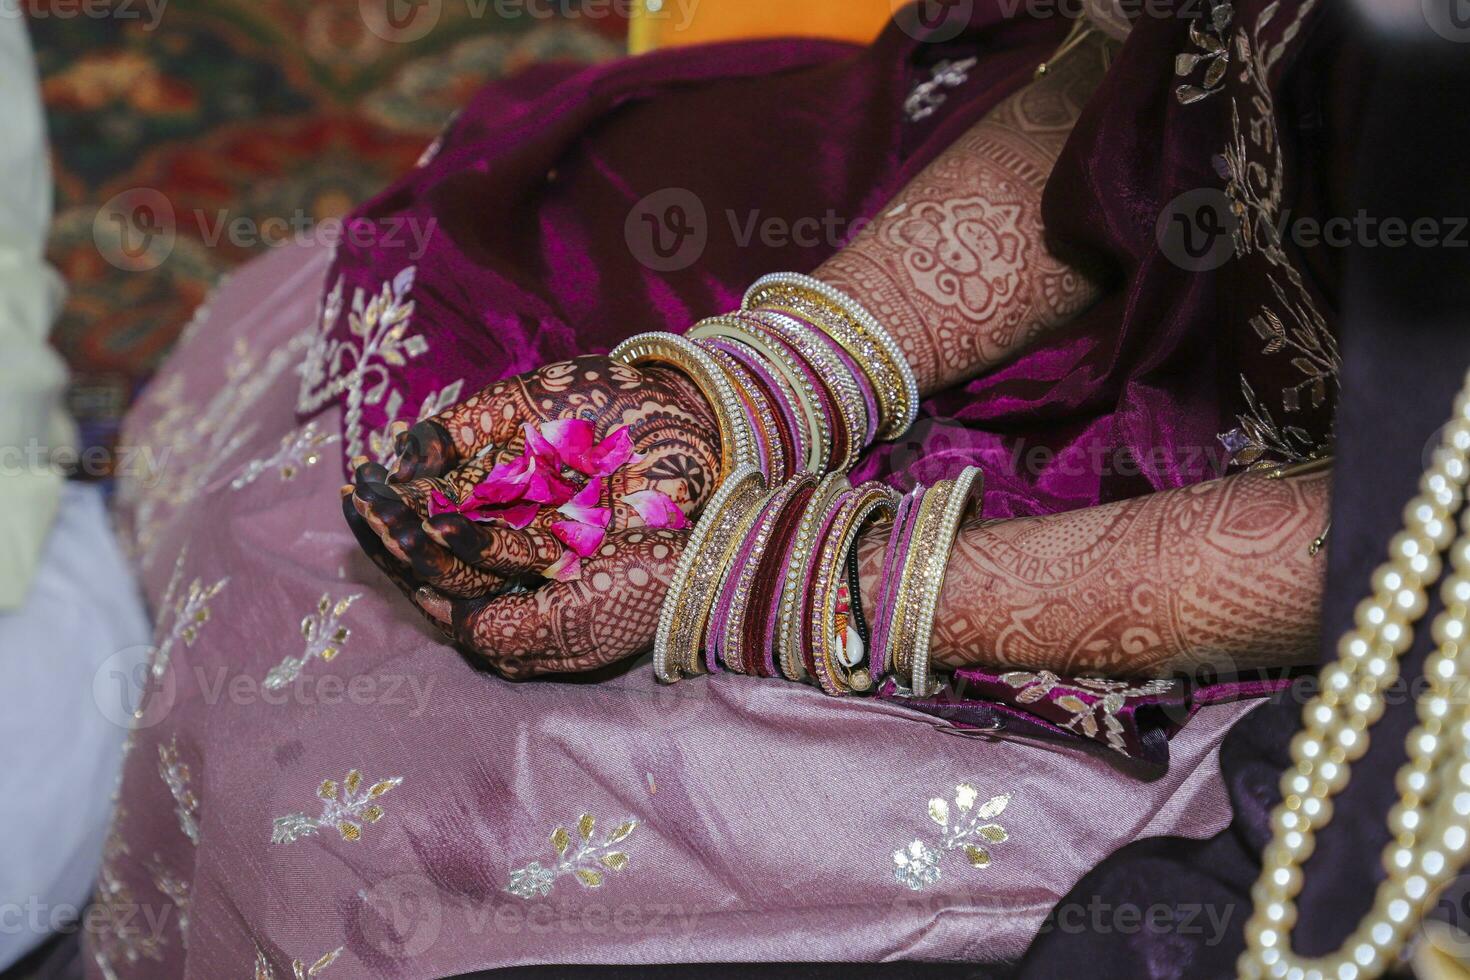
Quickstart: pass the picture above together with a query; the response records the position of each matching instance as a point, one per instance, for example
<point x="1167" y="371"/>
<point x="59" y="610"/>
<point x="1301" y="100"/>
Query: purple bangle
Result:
<point x="781" y="395"/>
<point x="788" y="446"/>
<point x="864" y="384"/>
<point x="827" y="407"/>
<point x="898" y="546"/>
<point x="769" y="463"/>
<point x="776" y="562"/>
<point x="808" y="587"/>
<point x="714" y="629"/>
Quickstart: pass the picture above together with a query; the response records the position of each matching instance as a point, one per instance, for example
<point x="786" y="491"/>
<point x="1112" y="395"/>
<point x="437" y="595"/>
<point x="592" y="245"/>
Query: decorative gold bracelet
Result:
<point x="788" y="639"/>
<point x="737" y="443"/>
<point x="697" y="575"/>
<point x="818" y="438"/>
<point x="967" y="487"/>
<point x="907" y="597"/>
<point x="858" y="332"/>
<point x="832" y="672"/>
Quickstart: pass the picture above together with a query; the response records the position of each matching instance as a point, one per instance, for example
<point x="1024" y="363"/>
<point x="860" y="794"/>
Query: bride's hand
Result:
<point x="618" y="458"/>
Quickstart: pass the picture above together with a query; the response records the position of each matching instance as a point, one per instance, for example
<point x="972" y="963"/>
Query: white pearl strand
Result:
<point x="1430" y="821"/>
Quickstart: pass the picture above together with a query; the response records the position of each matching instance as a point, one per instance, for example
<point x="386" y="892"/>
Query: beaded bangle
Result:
<point x="686" y="608"/>
<point x="724" y="641"/>
<point x="832" y="671"/>
<point x="924" y="602"/>
<point x="763" y="628"/>
<point x="737" y="443"/>
<point x="758" y="412"/>
<point x="807" y="607"/>
<point x="849" y="416"/>
<point x="779" y="395"/>
<point x="816" y="437"/>
<point x="907" y="597"/>
<point x="893" y="557"/>
<point x="858" y="331"/>
<point x="788" y="638"/>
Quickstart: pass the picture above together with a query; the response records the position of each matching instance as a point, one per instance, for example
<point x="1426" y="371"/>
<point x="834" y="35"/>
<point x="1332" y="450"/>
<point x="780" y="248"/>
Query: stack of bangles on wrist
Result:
<point x="802" y="379"/>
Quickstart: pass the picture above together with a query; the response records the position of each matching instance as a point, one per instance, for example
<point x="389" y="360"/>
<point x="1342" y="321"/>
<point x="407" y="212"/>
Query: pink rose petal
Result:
<point x="545" y="486"/>
<point x="518" y="516"/>
<point x="567" y="568"/>
<point x="584" y="539"/>
<point x="657" y="509"/>
<point x="537" y="444"/>
<point x="505" y="483"/>
<point x="571" y="439"/>
<point x="608" y="456"/>
<point x="584" y="506"/>
<point x="440" y="504"/>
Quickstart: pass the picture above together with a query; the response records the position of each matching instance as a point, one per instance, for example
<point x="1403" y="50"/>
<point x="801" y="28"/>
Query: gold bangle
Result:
<point x="818" y="440"/>
<point x="788" y="637"/>
<point x="858" y="332"/>
<point x="852" y="412"/>
<point x="774" y="506"/>
<point x="902" y="631"/>
<point x="737" y="444"/>
<point x="686" y="608"/>
<point x="967" y="486"/>
<point x="832" y="672"/>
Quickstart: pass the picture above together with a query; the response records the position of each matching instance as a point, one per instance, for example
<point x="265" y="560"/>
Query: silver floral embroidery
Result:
<point x="927" y="97"/>
<point x="360" y="365"/>
<point x="587" y="861"/>
<point x="1087" y="718"/>
<point x="186" y="614"/>
<point x="176" y="775"/>
<point x="1214" y="53"/>
<point x="299" y="449"/>
<point x="344" y="810"/>
<point x="325" y="636"/>
<point x="963" y="827"/>
<point x="119" y="935"/>
<point x="177" y="891"/>
<point x="299" y="969"/>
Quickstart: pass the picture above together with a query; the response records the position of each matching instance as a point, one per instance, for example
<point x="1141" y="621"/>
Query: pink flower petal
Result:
<point x="657" y="509"/>
<point x="545" y="486"/>
<point x="440" y="504"/>
<point x="517" y="515"/>
<point x="584" y="539"/>
<point x="567" y="568"/>
<point x="609" y="455"/>
<point x="537" y="444"/>
<point x="584" y="506"/>
<point x="570" y="438"/>
<point x="502" y="485"/>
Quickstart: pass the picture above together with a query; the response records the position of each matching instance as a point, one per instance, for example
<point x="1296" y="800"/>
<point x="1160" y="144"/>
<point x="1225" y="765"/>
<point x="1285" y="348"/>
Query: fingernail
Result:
<point x="378" y="492"/>
<point x="347" y="489"/>
<point x="358" y="462"/>
<point x="398" y="428"/>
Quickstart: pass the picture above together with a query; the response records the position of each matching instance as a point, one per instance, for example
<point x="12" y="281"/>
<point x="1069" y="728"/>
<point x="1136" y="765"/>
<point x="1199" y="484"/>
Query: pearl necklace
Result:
<point x="1430" y="819"/>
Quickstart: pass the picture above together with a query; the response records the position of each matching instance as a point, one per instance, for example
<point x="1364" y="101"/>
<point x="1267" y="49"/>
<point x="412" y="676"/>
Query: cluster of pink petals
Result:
<point x="563" y="467"/>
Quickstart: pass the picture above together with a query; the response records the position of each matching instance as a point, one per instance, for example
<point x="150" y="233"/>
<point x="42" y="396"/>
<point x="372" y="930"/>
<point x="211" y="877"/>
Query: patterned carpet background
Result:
<point x="292" y="110"/>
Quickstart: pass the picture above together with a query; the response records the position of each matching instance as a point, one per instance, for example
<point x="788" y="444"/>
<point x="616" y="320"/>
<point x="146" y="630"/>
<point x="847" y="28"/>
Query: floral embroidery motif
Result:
<point x="586" y="861"/>
<point x="189" y="444"/>
<point x="1089" y="718"/>
<point x="380" y="443"/>
<point x="1253" y="166"/>
<point x="119" y="933"/>
<point x="927" y="97"/>
<point x="176" y="890"/>
<point x="344" y="809"/>
<point x="1213" y="53"/>
<point x="299" y="970"/>
<point x="325" y="636"/>
<point x="963" y="826"/>
<point x="360" y="365"/>
<point x="189" y="614"/>
<point x="176" y="776"/>
<point x="299" y="450"/>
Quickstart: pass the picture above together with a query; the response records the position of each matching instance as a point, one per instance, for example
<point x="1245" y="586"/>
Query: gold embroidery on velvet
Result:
<point x="1214" y="53"/>
<point x="362" y="364"/>
<point x="1254" y="167"/>
<point x="325" y="636"/>
<point x="577" y="855"/>
<point x="175" y="774"/>
<point x="299" y="969"/>
<point x="963" y="827"/>
<point x="299" y="449"/>
<point x="344" y="810"/>
<point x="1087" y="719"/>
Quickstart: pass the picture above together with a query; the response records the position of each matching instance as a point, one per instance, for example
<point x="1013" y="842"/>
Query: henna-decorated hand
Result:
<point x="488" y="583"/>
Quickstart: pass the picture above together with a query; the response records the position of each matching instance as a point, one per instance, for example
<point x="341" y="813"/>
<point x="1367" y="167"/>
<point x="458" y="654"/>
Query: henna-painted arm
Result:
<point x="956" y="267"/>
<point x="1219" y="575"/>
